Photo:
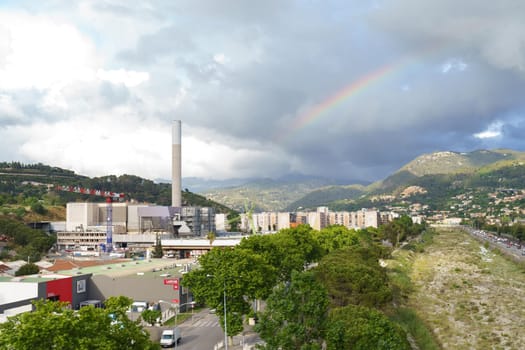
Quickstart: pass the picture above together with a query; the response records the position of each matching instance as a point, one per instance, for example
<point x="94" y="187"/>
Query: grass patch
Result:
<point x="181" y="317"/>
<point x="401" y="284"/>
<point x="412" y="324"/>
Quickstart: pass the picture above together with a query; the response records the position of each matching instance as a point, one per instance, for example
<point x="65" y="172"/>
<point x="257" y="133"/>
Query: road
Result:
<point x="202" y="333"/>
<point x="504" y="244"/>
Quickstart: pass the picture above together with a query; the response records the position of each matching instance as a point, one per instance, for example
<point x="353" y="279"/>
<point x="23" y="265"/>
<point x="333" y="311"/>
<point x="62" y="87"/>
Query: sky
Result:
<point x="342" y="89"/>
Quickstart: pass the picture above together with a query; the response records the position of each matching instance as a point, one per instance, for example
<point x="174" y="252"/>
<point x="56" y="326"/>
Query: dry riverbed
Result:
<point x="469" y="296"/>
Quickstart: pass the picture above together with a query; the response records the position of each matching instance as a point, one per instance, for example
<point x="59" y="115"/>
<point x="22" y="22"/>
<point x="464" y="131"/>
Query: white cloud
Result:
<point x="101" y="144"/>
<point x="9" y="109"/>
<point x="42" y="53"/>
<point x="220" y="58"/>
<point x="494" y="130"/>
<point x="453" y="65"/>
<point x="129" y="78"/>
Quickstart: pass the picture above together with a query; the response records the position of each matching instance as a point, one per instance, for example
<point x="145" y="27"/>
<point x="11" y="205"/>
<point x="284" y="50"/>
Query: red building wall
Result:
<point x="61" y="288"/>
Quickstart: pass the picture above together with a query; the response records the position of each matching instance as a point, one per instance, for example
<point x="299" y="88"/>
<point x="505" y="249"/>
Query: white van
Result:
<point x="138" y="306"/>
<point x="170" y="337"/>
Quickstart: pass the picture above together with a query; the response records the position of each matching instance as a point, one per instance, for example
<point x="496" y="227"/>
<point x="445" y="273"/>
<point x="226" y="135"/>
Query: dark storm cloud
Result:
<point x="284" y="60"/>
<point x="248" y="74"/>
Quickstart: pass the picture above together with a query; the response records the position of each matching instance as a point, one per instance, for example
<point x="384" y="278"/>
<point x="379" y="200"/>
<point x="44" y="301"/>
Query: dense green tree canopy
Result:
<point x="400" y="229"/>
<point x="240" y="273"/>
<point x="353" y="276"/>
<point x="335" y="237"/>
<point x="287" y="250"/>
<point x="55" y="326"/>
<point x="295" y="314"/>
<point x="27" y="241"/>
<point x="360" y="328"/>
<point x="27" y="269"/>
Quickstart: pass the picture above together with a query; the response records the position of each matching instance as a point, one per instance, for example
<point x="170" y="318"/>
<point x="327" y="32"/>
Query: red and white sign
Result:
<point x="171" y="281"/>
<point x="175" y="301"/>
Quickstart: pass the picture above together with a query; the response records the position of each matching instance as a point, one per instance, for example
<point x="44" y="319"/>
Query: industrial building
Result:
<point x="82" y="282"/>
<point x="133" y="225"/>
<point x="94" y="227"/>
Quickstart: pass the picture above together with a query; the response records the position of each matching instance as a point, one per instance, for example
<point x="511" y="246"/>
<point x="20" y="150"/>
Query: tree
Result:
<point x="157" y="252"/>
<point x="24" y="240"/>
<point x="360" y="328"/>
<point x="518" y="231"/>
<point x="335" y="237"/>
<point x="288" y="250"/>
<point x="295" y="314"/>
<point x="53" y="325"/>
<point x="234" y="219"/>
<point x="151" y="316"/>
<point x="240" y="274"/>
<point x="27" y="269"/>
<point x="38" y="208"/>
<point x="211" y="237"/>
<point x="353" y="276"/>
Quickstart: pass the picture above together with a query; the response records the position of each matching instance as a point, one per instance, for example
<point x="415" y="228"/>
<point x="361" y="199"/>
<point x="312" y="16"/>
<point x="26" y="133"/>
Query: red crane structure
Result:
<point x="110" y="198"/>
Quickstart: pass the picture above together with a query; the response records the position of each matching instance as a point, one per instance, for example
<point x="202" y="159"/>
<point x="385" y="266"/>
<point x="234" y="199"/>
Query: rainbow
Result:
<point x="303" y="120"/>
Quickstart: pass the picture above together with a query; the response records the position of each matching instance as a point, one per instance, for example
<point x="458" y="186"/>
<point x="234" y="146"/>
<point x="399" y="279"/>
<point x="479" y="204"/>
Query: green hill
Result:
<point x="454" y="162"/>
<point x="29" y="192"/>
<point x="435" y="180"/>
<point x="326" y="195"/>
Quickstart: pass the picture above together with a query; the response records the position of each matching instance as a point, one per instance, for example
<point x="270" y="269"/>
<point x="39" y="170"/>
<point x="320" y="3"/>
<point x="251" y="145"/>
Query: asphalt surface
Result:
<point x="505" y="244"/>
<point x="203" y="332"/>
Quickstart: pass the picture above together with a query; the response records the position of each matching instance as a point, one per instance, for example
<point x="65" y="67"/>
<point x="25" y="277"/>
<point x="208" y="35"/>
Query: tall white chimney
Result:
<point x="176" y="174"/>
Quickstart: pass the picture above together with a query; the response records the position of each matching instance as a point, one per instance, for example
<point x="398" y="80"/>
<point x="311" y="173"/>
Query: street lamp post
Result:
<point x="225" y="320"/>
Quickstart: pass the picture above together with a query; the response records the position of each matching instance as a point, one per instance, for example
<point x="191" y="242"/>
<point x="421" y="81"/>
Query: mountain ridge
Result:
<point x="443" y="170"/>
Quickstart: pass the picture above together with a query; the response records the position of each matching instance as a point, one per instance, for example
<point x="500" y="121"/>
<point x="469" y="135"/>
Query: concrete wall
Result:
<point x="135" y="287"/>
<point x="85" y="214"/>
<point x="79" y="293"/>
<point x="133" y="217"/>
<point x="15" y="291"/>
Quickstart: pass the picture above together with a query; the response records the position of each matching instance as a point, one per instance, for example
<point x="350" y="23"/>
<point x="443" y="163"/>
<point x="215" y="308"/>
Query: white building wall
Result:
<point x="347" y="220"/>
<point x="323" y="217"/>
<point x="11" y="292"/>
<point x="81" y="214"/>
<point x="371" y="218"/>
<point x="266" y="222"/>
<point x="15" y="311"/>
<point x="283" y="221"/>
<point x="133" y="217"/>
<point x="314" y="220"/>
<point x="220" y="222"/>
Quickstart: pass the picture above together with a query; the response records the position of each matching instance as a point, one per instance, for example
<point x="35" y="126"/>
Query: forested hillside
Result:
<point x="478" y="181"/>
<point x="29" y="191"/>
<point x="22" y="242"/>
